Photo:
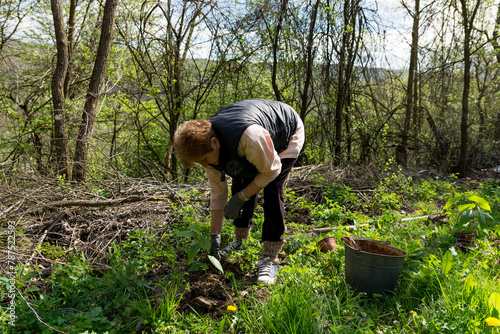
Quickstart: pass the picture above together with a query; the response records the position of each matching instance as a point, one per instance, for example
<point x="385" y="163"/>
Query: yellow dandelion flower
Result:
<point x="232" y="308"/>
<point x="491" y="321"/>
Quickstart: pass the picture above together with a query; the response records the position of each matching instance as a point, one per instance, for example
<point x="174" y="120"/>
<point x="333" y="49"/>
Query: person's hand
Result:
<point x="233" y="207"/>
<point x="215" y="246"/>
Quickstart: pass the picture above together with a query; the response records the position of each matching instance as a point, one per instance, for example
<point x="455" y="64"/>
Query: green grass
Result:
<point x="440" y="290"/>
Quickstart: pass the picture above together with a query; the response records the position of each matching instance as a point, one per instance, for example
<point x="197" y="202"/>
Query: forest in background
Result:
<point x="96" y="89"/>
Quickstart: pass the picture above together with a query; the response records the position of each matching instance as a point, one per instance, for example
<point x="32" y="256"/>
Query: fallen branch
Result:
<point x="112" y="202"/>
<point x="119" y="201"/>
<point x="90" y="203"/>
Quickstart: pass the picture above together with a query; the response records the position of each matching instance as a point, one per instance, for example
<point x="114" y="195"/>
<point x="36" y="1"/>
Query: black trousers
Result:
<point x="274" y="204"/>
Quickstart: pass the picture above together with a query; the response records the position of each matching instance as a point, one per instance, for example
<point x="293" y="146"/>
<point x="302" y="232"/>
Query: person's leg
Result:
<point x="274" y="226"/>
<point x="274" y="204"/>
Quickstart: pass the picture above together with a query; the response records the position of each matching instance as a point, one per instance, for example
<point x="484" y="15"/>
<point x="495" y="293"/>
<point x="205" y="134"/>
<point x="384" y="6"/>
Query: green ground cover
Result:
<point x="153" y="281"/>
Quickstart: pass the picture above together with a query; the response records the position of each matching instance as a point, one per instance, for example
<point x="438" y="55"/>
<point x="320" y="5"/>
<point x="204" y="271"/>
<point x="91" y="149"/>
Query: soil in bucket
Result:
<point x="371" y="266"/>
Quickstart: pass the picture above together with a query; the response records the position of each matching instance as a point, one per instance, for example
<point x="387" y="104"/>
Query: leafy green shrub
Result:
<point x="472" y="216"/>
<point x="386" y="202"/>
<point x="342" y="195"/>
<point x="426" y="190"/>
<point x="145" y="249"/>
<point x="397" y="182"/>
<point x="329" y="212"/>
<point x="431" y="190"/>
<point x="491" y="192"/>
<point x="199" y="241"/>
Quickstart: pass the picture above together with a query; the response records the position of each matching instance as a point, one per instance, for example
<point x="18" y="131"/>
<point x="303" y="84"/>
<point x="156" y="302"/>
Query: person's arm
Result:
<point x="250" y="190"/>
<point x="257" y="147"/>
<point x="216" y="219"/>
<point x="218" y="198"/>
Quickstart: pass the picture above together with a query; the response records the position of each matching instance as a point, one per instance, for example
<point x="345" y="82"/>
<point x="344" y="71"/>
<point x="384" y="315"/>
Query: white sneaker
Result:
<point x="268" y="272"/>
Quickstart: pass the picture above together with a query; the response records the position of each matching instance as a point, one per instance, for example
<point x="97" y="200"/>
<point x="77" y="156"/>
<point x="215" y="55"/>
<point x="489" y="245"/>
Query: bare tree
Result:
<point x="12" y="14"/>
<point x="165" y="69"/>
<point x="347" y="50"/>
<point x="90" y="108"/>
<point x="412" y="83"/>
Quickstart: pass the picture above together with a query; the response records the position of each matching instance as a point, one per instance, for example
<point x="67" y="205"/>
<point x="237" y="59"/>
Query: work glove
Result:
<point x="233" y="208"/>
<point x="215" y="245"/>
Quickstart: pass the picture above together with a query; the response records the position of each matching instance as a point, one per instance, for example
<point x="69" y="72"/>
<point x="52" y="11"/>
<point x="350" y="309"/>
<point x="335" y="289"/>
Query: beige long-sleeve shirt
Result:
<point x="257" y="147"/>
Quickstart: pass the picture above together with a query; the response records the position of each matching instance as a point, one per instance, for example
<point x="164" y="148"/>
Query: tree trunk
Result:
<point x="339" y="105"/>
<point x="276" y="38"/>
<point x="496" y="47"/>
<point x="351" y="37"/>
<point x="60" y="139"/>
<point x="309" y="61"/>
<point x="496" y="35"/>
<point x="71" y="34"/>
<point x="89" y="111"/>
<point x="402" y="150"/>
<point x="468" y="22"/>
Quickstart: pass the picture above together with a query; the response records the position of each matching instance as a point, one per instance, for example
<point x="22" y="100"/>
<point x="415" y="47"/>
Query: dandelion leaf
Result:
<point x="446" y="263"/>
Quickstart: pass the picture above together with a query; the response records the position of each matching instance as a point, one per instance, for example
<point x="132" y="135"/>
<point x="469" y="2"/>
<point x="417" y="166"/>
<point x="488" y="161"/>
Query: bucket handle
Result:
<point x="349" y="241"/>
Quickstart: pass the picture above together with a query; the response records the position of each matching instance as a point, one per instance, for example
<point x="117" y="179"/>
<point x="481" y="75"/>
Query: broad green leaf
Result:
<point x="205" y="242"/>
<point x="193" y="251"/>
<point x="481" y="219"/>
<point x="446" y="263"/>
<point x="466" y="216"/>
<point x="452" y="201"/>
<point x="216" y="263"/>
<point x="198" y="267"/>
<point x="452" y="212"/>
<point x="186" y="234"/>
<point x="494" y="301"/>
<point x="487" y="216"/>
<point x="95" y="311"/>
<point x="483" y="204"/>
<point x="194" y="228"/>
<point x="467" y="206"/>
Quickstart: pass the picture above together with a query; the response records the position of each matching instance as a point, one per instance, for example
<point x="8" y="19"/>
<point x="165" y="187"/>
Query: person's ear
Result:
<point x="214" y="141"/>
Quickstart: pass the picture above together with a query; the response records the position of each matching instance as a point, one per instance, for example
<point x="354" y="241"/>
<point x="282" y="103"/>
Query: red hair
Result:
<point x="192" y="140"/>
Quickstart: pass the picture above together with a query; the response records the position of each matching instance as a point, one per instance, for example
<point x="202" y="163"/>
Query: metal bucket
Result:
<point x="372" y="266"/>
